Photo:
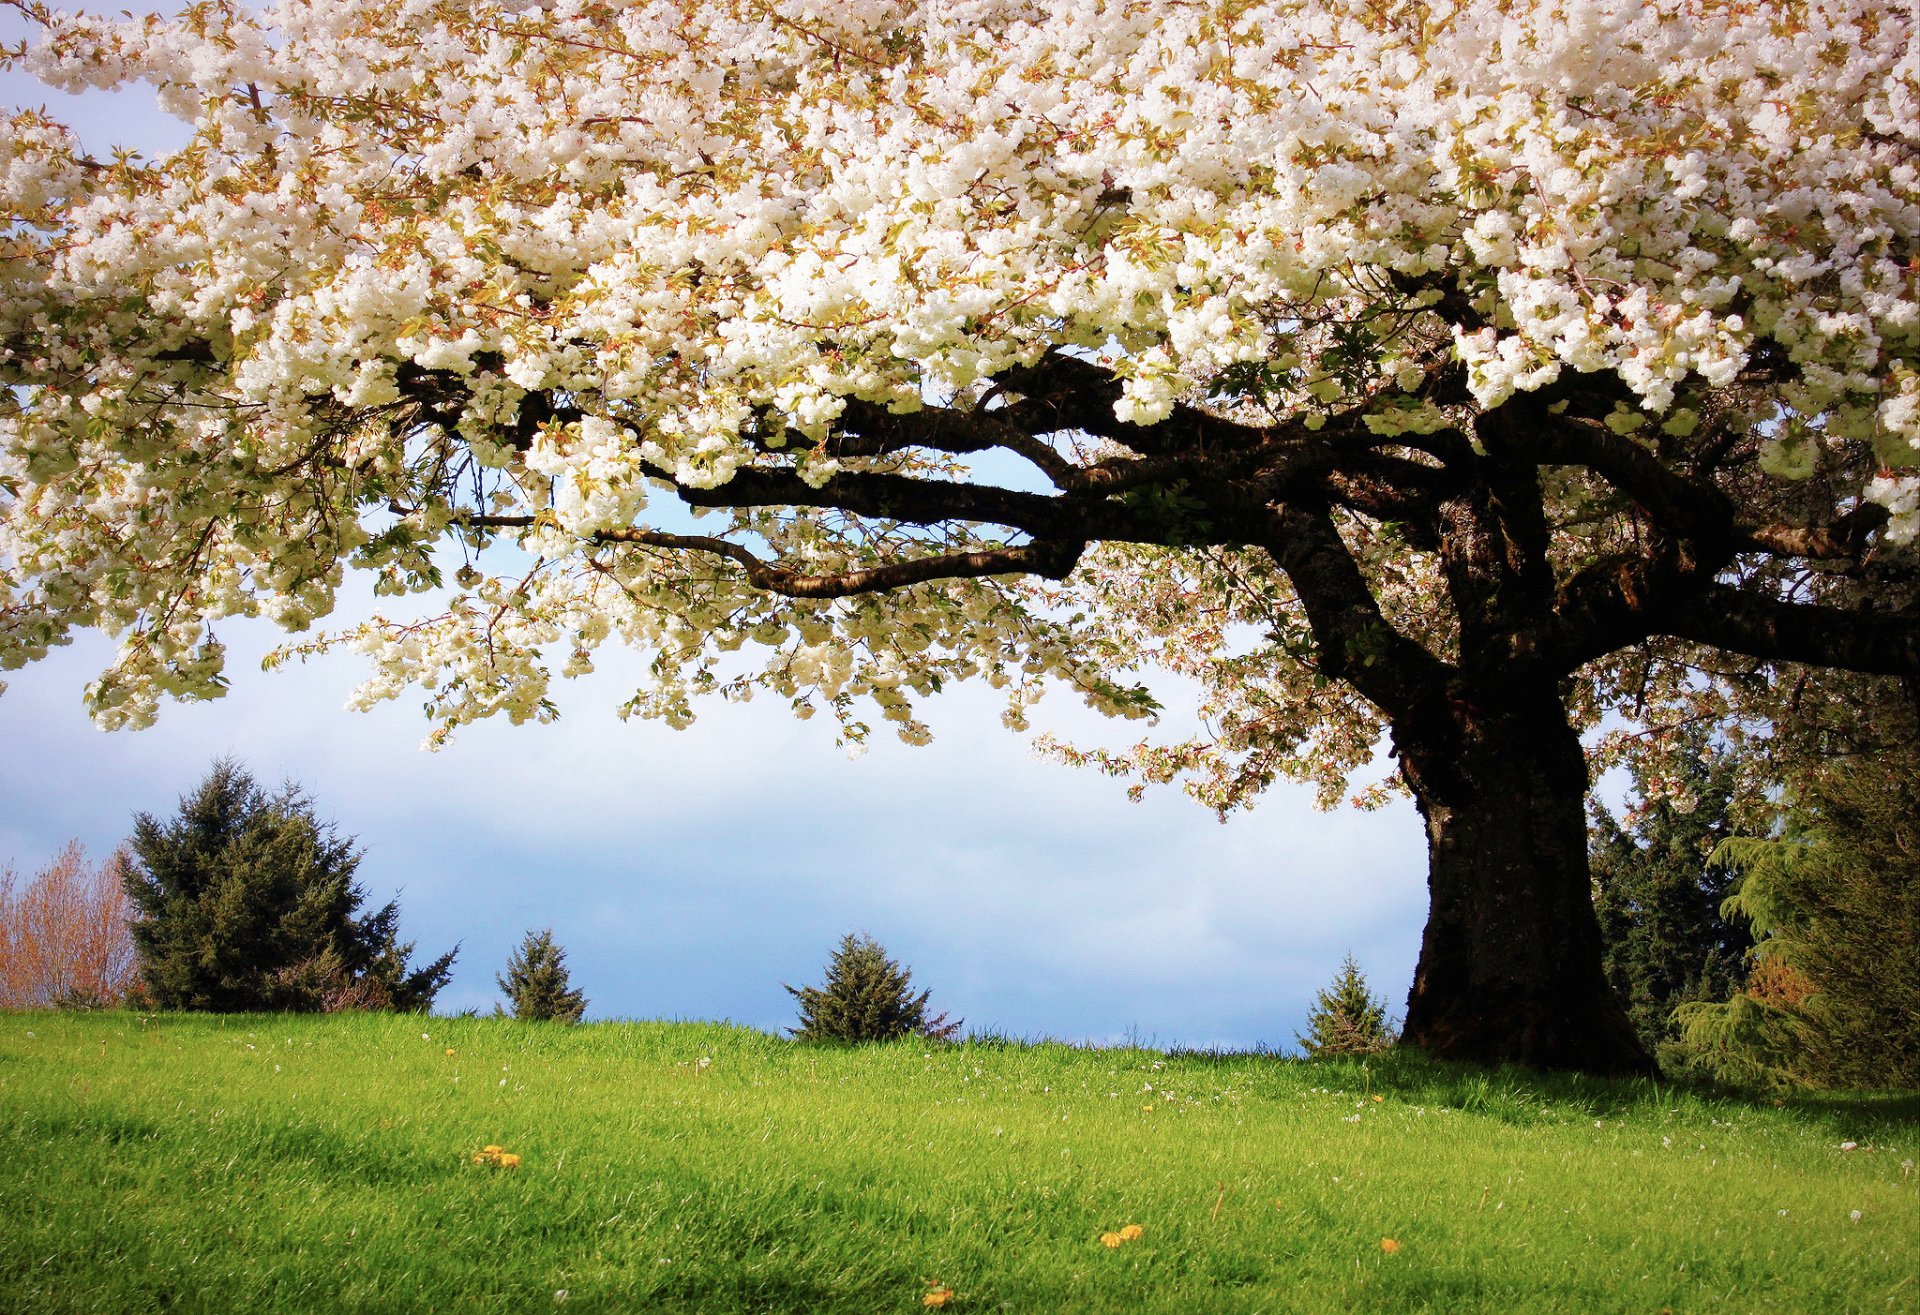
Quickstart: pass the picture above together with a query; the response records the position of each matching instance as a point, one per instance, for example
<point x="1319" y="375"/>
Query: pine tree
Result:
<point x="246" y="901"/>
<point x="536" y="982"/>
<point x="1346" y="1019"/>
<point x="1657" y="892"/>
<point x="867" y="997"/>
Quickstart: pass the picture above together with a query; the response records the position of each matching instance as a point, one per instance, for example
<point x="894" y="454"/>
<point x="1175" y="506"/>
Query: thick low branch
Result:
<point x="1615" y="602"/>
<point x="866" y="429"/>
<point x="1356" y="641"/>
<point x="1050" y="558"/>
<point x="1684" y="509"/>
<point x="894" y="497"/>
<point x="1739" y="620"/>
<point x="1067" y="393"/>
<point x="1846" y="539"/>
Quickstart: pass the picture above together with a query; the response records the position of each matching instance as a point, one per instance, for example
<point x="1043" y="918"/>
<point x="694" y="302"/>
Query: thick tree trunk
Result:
<point x="1510" y="966"/>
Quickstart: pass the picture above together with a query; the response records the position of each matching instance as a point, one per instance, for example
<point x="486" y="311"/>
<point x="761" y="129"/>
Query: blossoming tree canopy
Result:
<point x="1421" y="369"/>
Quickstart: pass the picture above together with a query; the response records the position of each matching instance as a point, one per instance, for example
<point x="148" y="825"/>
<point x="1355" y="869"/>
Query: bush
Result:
<point x="536" y="982"/>
<point x="867" y="997"/>
<point x="64" y="939"/>
<point x="246" y="901"/>
<point x="1346" y="1019"/>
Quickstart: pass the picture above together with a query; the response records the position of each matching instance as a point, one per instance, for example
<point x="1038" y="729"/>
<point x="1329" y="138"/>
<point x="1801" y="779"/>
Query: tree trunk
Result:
<point x="1510" y="966"/>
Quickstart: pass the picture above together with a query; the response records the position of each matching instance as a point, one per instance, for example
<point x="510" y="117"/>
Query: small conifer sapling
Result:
<point x="1346" y="1018"/>
<point x="867" y="997"/>
<point x="536" y="982"/>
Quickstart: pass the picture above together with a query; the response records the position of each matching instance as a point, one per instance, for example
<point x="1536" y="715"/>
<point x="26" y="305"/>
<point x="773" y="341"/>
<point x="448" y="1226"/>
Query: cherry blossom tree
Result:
<point x="1456" y="373"/>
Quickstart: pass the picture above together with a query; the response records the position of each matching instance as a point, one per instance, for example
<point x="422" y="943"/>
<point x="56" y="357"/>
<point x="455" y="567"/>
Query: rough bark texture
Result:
<point x="1510" y="965"/>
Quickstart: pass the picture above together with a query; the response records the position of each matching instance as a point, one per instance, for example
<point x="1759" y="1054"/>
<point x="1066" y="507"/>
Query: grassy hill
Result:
<point x="268" y="1163"/>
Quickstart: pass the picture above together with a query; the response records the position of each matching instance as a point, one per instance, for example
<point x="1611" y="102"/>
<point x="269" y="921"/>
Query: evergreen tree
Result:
<point x="246" y="901"/>
<point x="1658" y="894"/>
<point x="1834" y="998"/>
<point x="867" y="997"/>
<point x="536" y="982"/>
<point x="1346" y="1019"/>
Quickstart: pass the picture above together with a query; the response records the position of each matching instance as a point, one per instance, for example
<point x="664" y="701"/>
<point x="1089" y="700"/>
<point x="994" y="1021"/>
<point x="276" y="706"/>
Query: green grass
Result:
<point x="260" y="1164"/>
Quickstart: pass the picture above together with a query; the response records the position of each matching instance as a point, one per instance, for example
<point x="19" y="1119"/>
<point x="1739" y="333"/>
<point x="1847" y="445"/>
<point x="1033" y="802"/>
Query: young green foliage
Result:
<point x="246" y="901"/>
<point x="537" y="984"/>
<point x="1346" y="1018"/>
<point x="867" y="997"/>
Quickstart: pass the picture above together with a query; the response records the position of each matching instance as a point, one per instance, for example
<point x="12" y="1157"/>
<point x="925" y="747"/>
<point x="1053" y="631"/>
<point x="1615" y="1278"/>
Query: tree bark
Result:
<point x="1510" y="965"/>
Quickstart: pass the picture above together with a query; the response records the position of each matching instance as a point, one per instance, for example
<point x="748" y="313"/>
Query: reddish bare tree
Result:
<point x="64" y="938"/>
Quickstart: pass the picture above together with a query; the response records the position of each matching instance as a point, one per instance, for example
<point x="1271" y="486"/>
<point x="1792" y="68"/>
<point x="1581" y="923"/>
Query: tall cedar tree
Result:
<point x="1658" y="893"/>
<point x="1346" y="1019"/>
<point x="246" y="901"/>
<point x="867" y="997"/>
<point x="1834" y="998"/>
<point x="536" y="982"/>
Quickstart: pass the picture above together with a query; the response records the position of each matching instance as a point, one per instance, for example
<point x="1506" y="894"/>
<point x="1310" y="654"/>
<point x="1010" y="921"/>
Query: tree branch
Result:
<point x="1732" y="618"/>
<point x="1065" y="392"/>
<point x="1844" y="539"/>
<point x="1356" y="642"/>
<point x="867" y="429"/>
<point x="1053" y="559"/>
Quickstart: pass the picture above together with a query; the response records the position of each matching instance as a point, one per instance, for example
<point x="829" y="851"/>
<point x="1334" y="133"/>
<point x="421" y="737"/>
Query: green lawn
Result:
<point x="266" y="1164"/>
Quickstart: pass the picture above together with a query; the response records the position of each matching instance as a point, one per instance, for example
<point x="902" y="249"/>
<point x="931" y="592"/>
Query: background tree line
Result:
<point x="1760" y="895"/>
<point x="1759" y="898"/>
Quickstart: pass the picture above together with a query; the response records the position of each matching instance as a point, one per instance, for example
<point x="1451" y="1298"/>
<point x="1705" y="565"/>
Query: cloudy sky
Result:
<point x="689" y="874"/>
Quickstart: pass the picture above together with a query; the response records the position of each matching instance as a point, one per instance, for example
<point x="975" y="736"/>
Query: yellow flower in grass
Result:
<point x="491" y="1150"/>
<point x="1132" y="1233"/>
<point x="938" y="1297"/>
<point x="1388" y="1245"/>
<point x="507" y="1161"/>
<point x="1111" y="1239"/>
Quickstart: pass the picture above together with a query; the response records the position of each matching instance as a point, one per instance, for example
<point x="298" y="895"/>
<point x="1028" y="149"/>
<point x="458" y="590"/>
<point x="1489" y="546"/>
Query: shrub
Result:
<point x="245" y="900"/>
<point x="536" y="982"/>
<point x="867" y="997"/>
<point x="64" y="940"/>
<point x="1346" y="1019"/>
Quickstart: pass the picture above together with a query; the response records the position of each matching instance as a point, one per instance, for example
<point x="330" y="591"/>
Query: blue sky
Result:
<point x="688" y="874"/>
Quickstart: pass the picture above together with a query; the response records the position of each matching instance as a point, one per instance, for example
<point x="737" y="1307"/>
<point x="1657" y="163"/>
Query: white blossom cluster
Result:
<point x="702" y="228"/>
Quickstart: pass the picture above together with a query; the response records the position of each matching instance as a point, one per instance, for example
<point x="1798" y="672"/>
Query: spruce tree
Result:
<point x="867" y="997"/>
<point x="536" y="982"/>
<point x="1346" y="1019"/>
<point x="1657" y="893"/>
<point x="244" y="900"/>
